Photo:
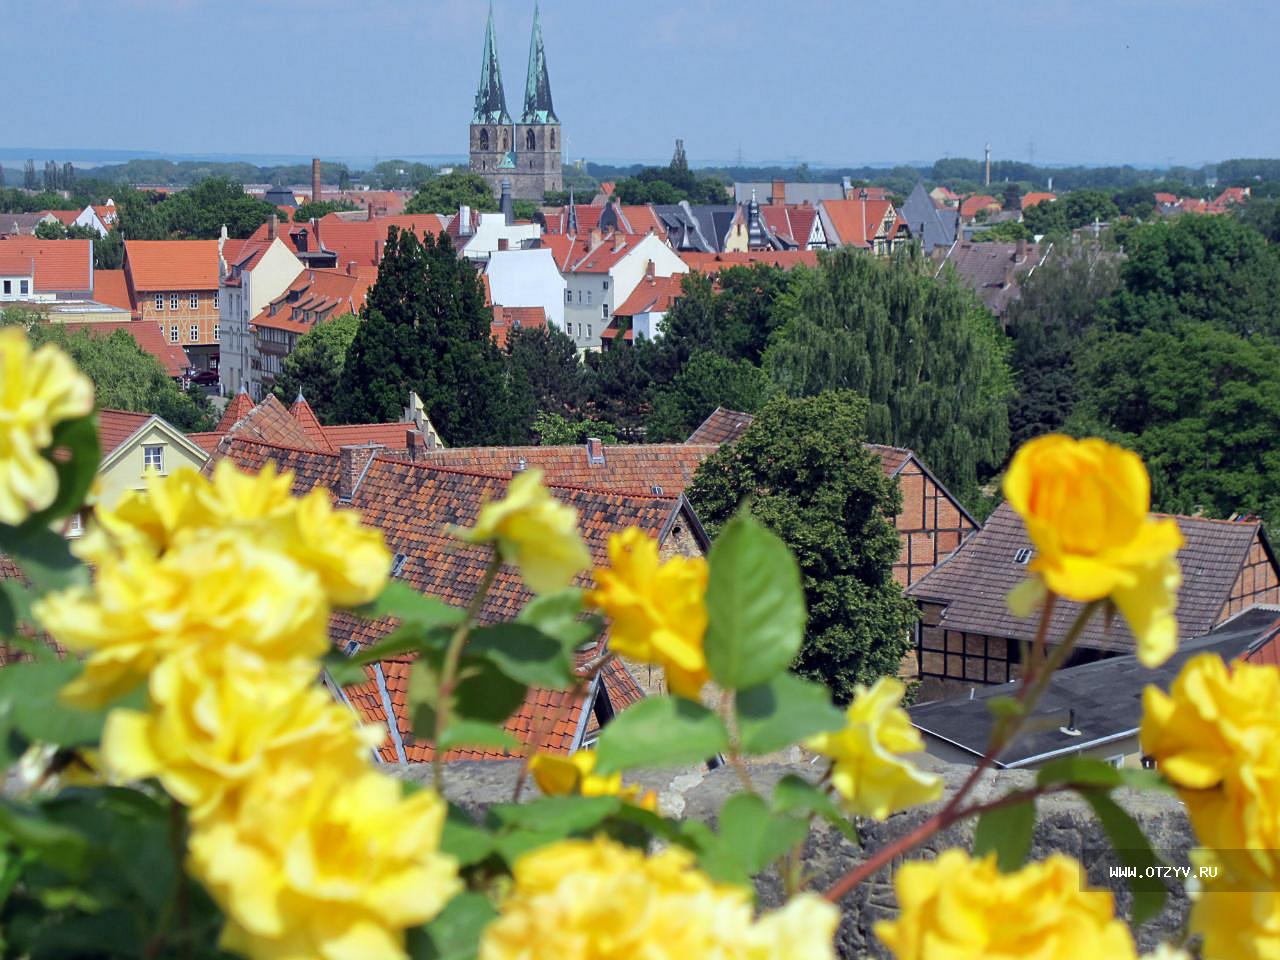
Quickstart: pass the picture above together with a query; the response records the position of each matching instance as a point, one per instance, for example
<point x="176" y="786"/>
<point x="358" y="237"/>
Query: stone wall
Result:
<point x="1063" y="825"/>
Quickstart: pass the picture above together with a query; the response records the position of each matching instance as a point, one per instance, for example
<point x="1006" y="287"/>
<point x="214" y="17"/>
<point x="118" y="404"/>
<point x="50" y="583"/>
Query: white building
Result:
<point x="251" y="278"/>
<point x="492" y="233"/>
<point x="100" y="218"/>
<point x="527" y="278"/>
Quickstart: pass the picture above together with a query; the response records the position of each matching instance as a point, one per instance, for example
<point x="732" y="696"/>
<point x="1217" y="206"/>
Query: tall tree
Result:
<point x="444" y="194"/>
<point x="707" y="381"/>
<point x="926" y="353"/>
<point x="618" y="384"/>
<point x="807" y="475"/>
<point x="546" y="375"/>
<point x="1058" y="305"/>
<point x="314" y="368"/>
<point x="426" y="328"/>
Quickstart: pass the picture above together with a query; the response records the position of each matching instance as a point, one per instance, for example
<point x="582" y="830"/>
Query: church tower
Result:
<point x="538" y="142"/>
<point x="492" y="134"/>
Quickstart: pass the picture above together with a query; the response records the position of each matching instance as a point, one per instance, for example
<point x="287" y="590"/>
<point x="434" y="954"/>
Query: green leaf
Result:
<point x="1091" y="772"/>
<point x="455" y="933"/>
<point x="483" y="693"/>
<point x="560" y="816"/>
<point x="44" y="558"/>
<point x="29" y="697"/>
<point x="406" y="638"/>
<point x="660" y="731"/>
<point x="524" y="653"/>
<point x="463" y="839"/>
<point x="1006" y="831"/>
<point x="559" y="615"/>
<point x="1133" y="849"/>
<point x="472" y="733"/>
<point x="76" y="472"/>
<point x="60" y="847"/>
<point x="401" y="601"/>
<point x="782" y="712"/>
<point x="755" y="605"/>
<point x="792" y="794"/>
<point x="750" y="838"/>
<point x="17" y="602"/>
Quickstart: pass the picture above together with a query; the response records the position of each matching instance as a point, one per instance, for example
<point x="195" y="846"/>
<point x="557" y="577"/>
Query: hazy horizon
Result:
<point x="1063" y="82"/>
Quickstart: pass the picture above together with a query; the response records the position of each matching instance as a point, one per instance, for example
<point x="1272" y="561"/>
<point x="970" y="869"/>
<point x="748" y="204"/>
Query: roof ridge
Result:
<point x="279" y="446"/>
<point x="462" y="471"/>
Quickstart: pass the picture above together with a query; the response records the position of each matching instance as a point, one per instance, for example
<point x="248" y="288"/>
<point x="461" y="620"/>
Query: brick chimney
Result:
<point x="377" y="252"/>
<point x="779" y="195"/>
<point x="650" y="269"/>
<point x="273" y="226"/>
<point x="416" y="444"/>
<point x="315" y="180"/>
<point x="1020" y="250"/>
<point x="504" y="243"/>
<point x="352" y="463"/>
<point x="351" y="268"/>
<point x="595" y="451"/>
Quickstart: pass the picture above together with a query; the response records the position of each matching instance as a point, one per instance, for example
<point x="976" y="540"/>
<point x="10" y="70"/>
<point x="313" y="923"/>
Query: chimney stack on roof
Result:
<point x="377" y="252"/>
<point x="1020" y="250"/>
<point x="779" y="192"/>
<point x="595" y="451"/>
<point x="507" y="205"/>
<point x="416" y="444"/>
<point x="504" y="243"/>
<point x="273" y="226"/>
<point x="464" y="221"/>
<point x="315" y="180"/>
<point x="352" y="463"/>
<point x="351" y="268"/>
<point x="650" y="269"/>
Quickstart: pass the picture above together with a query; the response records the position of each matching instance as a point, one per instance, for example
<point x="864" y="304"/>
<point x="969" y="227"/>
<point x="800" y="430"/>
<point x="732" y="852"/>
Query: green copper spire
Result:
<point x="491" y="102"/>
<point x="537" y="86"/>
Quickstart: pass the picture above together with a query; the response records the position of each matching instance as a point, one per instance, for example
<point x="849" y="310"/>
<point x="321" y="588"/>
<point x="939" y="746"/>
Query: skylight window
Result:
<point x="1023" y="556"/>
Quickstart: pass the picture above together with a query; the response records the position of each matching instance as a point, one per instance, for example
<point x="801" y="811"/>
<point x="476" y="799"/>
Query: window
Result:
<point x="216" y="338"/>
<point x="588" y="298"/>
<point x="159" y="301"/>
<point x="553" y="139"/>
<point x="153" y="458"/>
<point x="588" y="331"/>
<point x="195" y="333"/>
<point x="568" y="294"/>
<point x="24" y="286"/>
<point x="606" y="285"/>
<point x="194" y="301"/>
<point x="173" y="334"/>
<point x="215" y="299"/>
<point x="579" y="298"/>
<point x="604" y="311"/>
<point x="8" y="286"/>
<point x="1023" y="556"/>
<point x="173" y="301"/>
<point x="484" y="139"/>
<point x="529" y="143"/>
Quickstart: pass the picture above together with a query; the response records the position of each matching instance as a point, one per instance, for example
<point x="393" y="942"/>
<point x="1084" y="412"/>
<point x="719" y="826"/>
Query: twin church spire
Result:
<point x="491" y="100"/>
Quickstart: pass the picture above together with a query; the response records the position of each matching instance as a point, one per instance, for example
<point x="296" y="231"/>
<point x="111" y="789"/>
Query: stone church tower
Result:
<point x="527" y="153"/>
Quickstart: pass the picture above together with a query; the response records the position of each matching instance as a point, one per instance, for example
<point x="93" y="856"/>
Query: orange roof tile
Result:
<point x="856" y="222"/>
<point x="506" y="319"/>
<point x="117" y="426"/>
<point x="974" y="205"/>
<point x="111" y="287"/>
<point x="236" y="410"/>
<point x="792" y="222"/>
<point x="64" y="217"/>
<point x="57" y="265"/>
<point x="1029" y="200"/>
<point x="310" y="423"/>
<point x="327" y="293"/>
<point x="711" y="263"/>
<point x="163" y="265"/>
<point x="390" y="435"/>
<point x="652" y="295"/>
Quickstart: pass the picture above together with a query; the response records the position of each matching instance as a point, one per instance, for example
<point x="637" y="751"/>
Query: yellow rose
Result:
<point x="868" y="771"/>
<point x="318" y="862"/>
<point x="38" y="390"/>
<point x="219" y="590"/>
<point x="658" y="610"/>
<point x="1085" y="504"/>
<point x="534" y="531"/>
<point x="965" y="909"/>
<point x="1237" y="922"/>
<point x="221" y="715"/>
<point x="599" y="900"/>
<point x="558" y="776"/>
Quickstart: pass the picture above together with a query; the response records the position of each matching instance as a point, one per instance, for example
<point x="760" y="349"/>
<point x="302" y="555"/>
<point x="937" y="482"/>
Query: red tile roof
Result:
<point x="301" y="411"/>
<point x="1031" y="199"/>
<point x="322" y="293"/>
<point x="236" y="410"/>
<point x="792" y="222"/>
<point x="311" y="468"/>
<point x="270" y="421"/>
<point x="149" y="336"/>
<point x="711" y="263"/>
<point x="975" y="580"/>
<point x="652" y="295"/>
<point x="582" y="254"/>
<point x="635" y="468"/>
<point x="856" y="222"/>
<point x="117" y="426"/>
<point x="358" y="241"/>
<point x="208" y="442"/>
<point x="506" y="319"/>
<point x="57" y="265"/>
<point x="163" y="265"/>
<point x="64" y="217"/>
<point x="111" y="287"/>
<point x="389" y="435"/>
<point x="972" y="206"/>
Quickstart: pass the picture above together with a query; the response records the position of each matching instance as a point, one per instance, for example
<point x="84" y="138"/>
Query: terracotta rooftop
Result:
<point x="111" y="287"/>
<point x="506" y="319"/>
<point x="57" y="265"/>
<point x="972" y="206"/>
<point x="323" y="294"/>
<point x="715" y="262"/>
<point x="856" y="222"/>
<point x="652" y="295"/>
<point x="974" y="581"/>
<point x="178" y="265"/>
<point x="117" y="426"/>
<point x="236" y="409"/>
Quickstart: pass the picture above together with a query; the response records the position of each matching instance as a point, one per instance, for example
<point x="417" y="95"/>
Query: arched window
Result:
<point x="504" y="141"/>
<point x="528" y="140"/>
<point x="484" y="139"/>
<point x="553" y="139"/>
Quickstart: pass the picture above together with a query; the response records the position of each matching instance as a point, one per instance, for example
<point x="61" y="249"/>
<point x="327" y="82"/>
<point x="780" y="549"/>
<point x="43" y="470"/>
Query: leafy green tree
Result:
<point x="1006" y="231"/>
<point x="545" y="373"/>
<point x="524" y="209"/>
<point x="1263" y="216"/>
<point x="125" y="377"/>
<point x="445" y="194"/>
<point x="1048" y="322"/>
<point x="314" y="211"/>
<point x="928" y="356"/>
<point x="201" y="211"/>
<point x="1012" y="196"/>
<point x="1137" y="202"/>
<point x="314" y="369"/>
<point x="1084" y="207"/>
<point x="50" y="230"/>
<point x="735" y="320"/>
<point x="108" y="251"/>
<point x="618" y="384"/>
<point x="1209" y="268"/>
<point x="707" y="381"/>
<point x="553" y="430"/>
<point x="426" y="328"/>
<point x="1048" y="218"/>
<point x="1200" y="404"/>
<point x="804" y="470"/>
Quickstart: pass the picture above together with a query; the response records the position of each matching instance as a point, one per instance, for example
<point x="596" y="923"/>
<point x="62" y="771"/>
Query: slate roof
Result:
<point x="994" y="271"/>
<point x="22" y="224"/>
<point x="811" y="193"/>
<point x="633" y="468"/>
<point x="936" y="226"/>
<point x="1102" y="700"/>
<point x="721" y="426"/>
<point x="701" y="228"/>
<point x="974" y="581"/>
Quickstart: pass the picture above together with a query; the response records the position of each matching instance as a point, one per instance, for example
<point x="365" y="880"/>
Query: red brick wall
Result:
<point x="930" y="525"/>
<point x="1258" y="582"/>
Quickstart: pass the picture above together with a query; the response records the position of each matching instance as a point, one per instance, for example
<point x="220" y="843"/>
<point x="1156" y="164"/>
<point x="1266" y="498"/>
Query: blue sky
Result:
<point x="827" y="81"/>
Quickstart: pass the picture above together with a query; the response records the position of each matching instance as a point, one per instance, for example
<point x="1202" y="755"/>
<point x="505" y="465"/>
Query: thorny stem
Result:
<point x="452" y="656"/>
<point x="176" y="906"/>
<point x="1028" y="694"/>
